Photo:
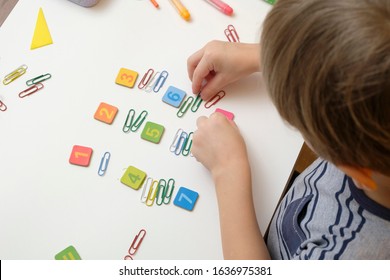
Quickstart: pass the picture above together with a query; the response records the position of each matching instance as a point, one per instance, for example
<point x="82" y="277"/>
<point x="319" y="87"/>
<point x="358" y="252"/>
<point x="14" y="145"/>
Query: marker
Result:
<point x="222" y="6"/>
<point x="154" y="2"/>
<point x="181" y="9"/>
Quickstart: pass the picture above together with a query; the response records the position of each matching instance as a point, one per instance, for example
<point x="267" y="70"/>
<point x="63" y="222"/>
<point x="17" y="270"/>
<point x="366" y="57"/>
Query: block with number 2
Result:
<point x="133" y="177"/>
<point x="106" y="113"/>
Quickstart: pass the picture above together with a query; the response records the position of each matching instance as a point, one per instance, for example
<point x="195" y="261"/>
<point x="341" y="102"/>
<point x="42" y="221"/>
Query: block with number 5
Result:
<point x="133" y="177"/>
<point x="186" y="198"/>
<point x="152" y="132"/>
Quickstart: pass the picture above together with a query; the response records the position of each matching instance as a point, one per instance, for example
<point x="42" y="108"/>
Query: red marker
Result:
<point x="222" y="6"/>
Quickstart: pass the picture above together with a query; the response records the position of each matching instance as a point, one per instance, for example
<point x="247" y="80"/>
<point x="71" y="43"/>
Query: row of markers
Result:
<point x="34" y="84"/>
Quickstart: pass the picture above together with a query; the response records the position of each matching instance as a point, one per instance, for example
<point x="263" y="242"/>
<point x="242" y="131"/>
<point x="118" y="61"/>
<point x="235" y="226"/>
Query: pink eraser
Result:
<point x="228" y="114"/>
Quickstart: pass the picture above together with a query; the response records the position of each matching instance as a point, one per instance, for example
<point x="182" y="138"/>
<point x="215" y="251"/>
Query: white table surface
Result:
<point x="47" y="204"/>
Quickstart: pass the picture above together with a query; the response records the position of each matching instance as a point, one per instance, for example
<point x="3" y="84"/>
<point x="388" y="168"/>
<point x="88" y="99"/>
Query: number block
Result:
<point x="106" y="113"/>
<point x="126" y="77"/>
<point x="174" y="96"/>
<point x="152" y="132"/>
<point x="68" y="253"/>
<point x="80" y="155"/>
<point x="186" y="198"/>
<point x="133" y="177"/>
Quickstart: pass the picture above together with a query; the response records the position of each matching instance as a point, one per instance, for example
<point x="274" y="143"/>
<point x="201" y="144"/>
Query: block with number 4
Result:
<point x="126" y="77"/>
<point x="133" y="177"/>
<point x="152" y="132"/>
<point x="80" y="155"/>
<point x="186" y="198"/>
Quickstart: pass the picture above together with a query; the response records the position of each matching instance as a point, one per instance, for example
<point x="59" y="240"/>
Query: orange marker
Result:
<point x="181" y="9"/>
<point x="154" y="3"/>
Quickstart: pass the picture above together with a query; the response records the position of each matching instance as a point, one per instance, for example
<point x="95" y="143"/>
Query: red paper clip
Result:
<point x="135" y="245"/>
<point x="231" y="34"/>
<point x="3" y="107"/>
<point x="31" y="90"/>
<point x="214" y="100"/>
<point x="146" y="78"/>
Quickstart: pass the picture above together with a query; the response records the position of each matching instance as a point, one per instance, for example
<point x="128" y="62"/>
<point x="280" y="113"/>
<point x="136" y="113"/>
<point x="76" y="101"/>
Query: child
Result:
<point x="326" y="65"/>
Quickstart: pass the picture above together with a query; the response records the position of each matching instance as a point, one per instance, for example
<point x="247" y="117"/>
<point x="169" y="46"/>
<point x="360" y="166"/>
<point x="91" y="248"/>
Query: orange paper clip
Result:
<point x="154" y="2"/>
<point x="231" y="34"/>
<point x="31" y="90"/>
<point x="214" y="100"/>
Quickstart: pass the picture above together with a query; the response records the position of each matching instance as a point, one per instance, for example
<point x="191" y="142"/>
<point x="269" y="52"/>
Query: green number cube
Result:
<point x="152" y="132"/>
<point x="133" y="177"/>
<point x="68" y="253"/>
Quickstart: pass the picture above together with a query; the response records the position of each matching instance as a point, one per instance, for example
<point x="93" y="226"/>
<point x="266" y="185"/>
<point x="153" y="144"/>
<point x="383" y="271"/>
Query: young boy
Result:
<point x="326" y="65"/>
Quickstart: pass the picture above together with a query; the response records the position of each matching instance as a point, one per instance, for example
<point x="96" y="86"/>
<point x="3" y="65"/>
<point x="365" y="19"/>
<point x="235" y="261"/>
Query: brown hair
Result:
<point x="326" y="64"/>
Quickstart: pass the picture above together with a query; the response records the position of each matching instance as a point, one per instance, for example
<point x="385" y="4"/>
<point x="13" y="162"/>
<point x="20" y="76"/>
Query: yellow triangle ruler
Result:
<point x="42" y="35"/>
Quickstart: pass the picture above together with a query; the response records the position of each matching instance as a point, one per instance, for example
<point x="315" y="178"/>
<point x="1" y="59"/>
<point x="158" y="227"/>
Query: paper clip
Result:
<point x="231" y="34"/>
<point x="146" y="78"/>
<point x="160" y="81"/>
<point x="214" y="100"/>
<point x="152" y="193"/>
<point x="180" y="144"/>
<point x="149" y="86"/>
<point x="173" y="146"/>
<point x="146" y="188"/>
<point x="15" y="74"/>
<point x="197" y="102"/>
<point x="104" y="163"/>
<point x="3" y="107"/>
<point x="161" y="191"/>
<point x="185" y="106"/>
<point x="186" y="150"/>
<point x="169" y="191"/>
<point x="128" y="121"/>
<point x="135" y="244"/>
<point x="31" y="90"/>
<point x="139" y="121"/>
<point x="38" y="79"/>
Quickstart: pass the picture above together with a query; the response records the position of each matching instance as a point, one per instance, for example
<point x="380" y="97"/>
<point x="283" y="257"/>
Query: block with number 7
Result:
<point x="186" y="198"/>
<point x="133" y="177"/>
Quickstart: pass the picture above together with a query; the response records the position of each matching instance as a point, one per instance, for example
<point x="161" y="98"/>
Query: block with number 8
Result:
<point x="133" y="177"/>
<point x="152" y="132"/>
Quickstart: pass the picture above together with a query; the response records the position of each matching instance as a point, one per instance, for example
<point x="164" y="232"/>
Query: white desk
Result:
<point x="47" y="204"/>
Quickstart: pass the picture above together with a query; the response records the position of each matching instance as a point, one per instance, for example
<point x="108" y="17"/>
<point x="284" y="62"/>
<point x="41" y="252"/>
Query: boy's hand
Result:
<point x="221" y="63"/>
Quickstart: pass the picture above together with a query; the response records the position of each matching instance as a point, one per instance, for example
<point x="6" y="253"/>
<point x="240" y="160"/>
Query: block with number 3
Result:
<point x="80" y="155"/>
<point x="152" y="132"/>
<point x="126" y="77"/>
<point x="186" y="198"/>
<point x="133" y="177"/>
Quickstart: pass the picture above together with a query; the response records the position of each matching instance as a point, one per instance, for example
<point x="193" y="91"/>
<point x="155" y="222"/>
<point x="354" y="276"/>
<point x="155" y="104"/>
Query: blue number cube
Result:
<point x="186" y="198"/>
<point x="174" y="96"/>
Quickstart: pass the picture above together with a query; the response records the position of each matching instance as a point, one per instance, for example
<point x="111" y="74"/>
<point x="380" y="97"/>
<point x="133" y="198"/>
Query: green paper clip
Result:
<point x="185" y="106"/>
<point x="169" y="191"/>
<point x="187" y="145"/>
<point x="197" y="103"/>
<point x="129" y="121"/>
<point x="139" y="121"/>
<point x="38" y="79"/>
<point x="161" y="191"/>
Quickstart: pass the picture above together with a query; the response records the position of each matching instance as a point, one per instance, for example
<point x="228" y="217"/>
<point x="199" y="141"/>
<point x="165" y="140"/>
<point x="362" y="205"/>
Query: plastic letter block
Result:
<point x="133" y="177"/>
<point x="186" y="198"/>
<point x="152" y="132"/>
<point x="174" y="96"/>
<point x="80" y="155"/>
<point x="106" y="113"/>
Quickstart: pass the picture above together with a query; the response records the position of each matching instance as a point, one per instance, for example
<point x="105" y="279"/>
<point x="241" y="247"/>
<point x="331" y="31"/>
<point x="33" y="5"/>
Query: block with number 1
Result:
<point x="80" y="155"/>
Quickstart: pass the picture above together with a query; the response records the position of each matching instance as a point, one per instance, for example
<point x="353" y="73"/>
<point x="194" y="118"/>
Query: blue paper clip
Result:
<point x="146" y="78"/>
<point x="187" y="145"/>
<point x="214" y="100"/>
<point x="152" y="193"/>
<point x="175" y="142"/>
<point x="180" y="144"/>
<point x="3" y="107"/>
<point x="149" y="86"/>
<point x="38" y="79"/>
<point x="185" y="106"/>
<point x="197" y="102"/>
<point x="135" y="244"/>
<point x="160" y="81"/>
<point x="31" y="90"/>
<point x="104" y="163"/>
<point x="145" y="191"/>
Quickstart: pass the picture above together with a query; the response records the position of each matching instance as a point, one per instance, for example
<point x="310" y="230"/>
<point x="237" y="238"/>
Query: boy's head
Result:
<point x="327" y="68"/>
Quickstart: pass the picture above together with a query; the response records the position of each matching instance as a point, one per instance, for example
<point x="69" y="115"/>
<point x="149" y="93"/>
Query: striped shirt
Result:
<point x="325" y="216"/>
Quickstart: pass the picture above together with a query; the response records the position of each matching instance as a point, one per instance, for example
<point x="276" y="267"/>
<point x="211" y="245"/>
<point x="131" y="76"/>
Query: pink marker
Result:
<point x="222" y="6"/>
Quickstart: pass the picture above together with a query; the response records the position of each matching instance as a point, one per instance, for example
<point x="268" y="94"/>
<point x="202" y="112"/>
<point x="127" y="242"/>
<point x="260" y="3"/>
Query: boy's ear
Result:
<point x="361" y="175"/>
